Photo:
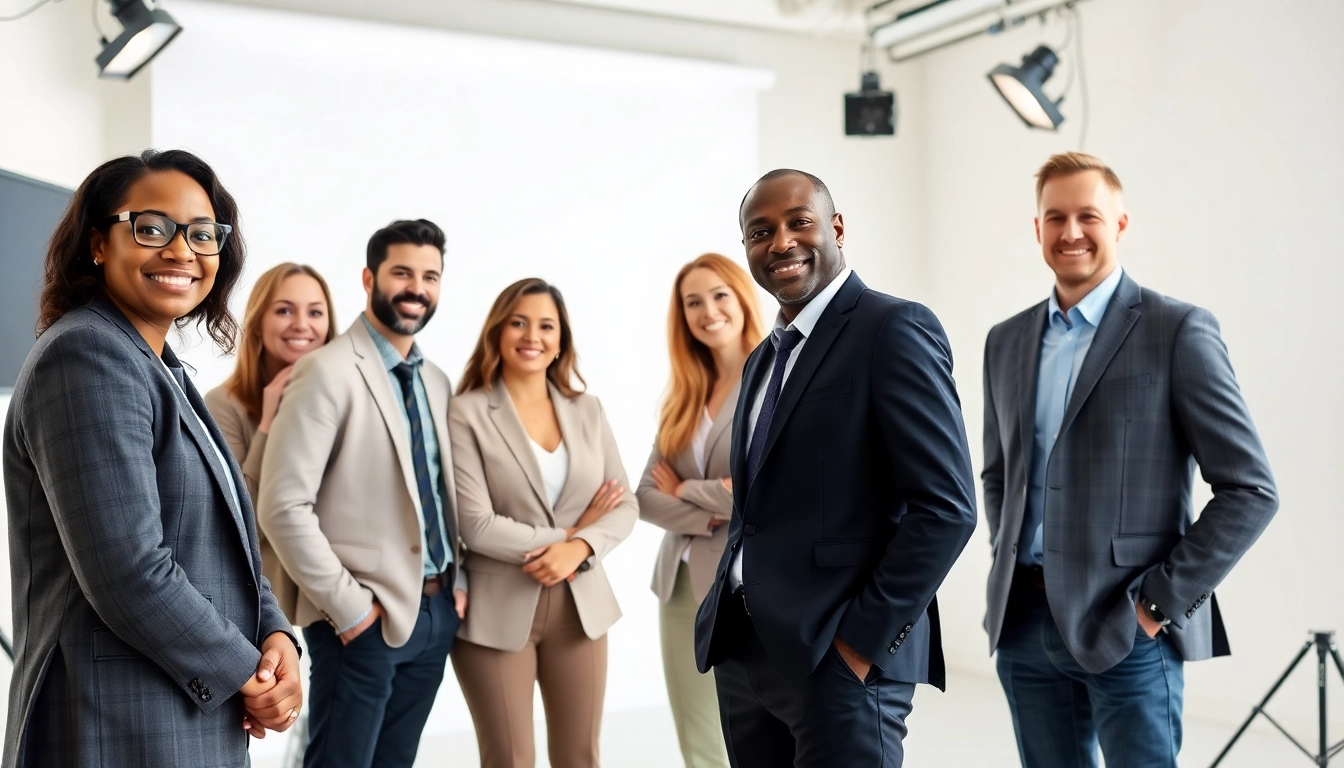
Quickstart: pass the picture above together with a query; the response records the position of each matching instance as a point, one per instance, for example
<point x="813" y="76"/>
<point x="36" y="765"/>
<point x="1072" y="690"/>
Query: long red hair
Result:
<point x="693" y="374"/>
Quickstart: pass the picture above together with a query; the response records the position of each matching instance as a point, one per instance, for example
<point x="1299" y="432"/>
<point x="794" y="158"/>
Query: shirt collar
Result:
<point x="1094" y="304"/>
<point x="809" y="315"/>
<point x="391" y="357"/>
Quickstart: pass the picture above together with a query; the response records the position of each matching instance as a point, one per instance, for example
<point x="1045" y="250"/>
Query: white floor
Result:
<point x="970" y="729"/>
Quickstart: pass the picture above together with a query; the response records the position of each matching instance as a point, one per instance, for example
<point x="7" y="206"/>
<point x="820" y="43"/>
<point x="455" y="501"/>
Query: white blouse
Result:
<point x="554" y="469"/>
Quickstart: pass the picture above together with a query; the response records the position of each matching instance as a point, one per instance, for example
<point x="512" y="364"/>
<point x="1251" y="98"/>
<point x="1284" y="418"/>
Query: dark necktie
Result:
<point x="783" y="349"/>
<point x="428" y="506"/>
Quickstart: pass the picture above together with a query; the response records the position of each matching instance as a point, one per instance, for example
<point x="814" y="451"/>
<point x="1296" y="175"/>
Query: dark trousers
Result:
<point x="830" y="719"/>
<point x="369" y="702"/>
<point x="1061" y="712"/>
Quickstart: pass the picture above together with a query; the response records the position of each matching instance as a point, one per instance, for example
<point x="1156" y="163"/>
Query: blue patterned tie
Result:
<point x="428" y="506"/>
<point x="783" y="349"/>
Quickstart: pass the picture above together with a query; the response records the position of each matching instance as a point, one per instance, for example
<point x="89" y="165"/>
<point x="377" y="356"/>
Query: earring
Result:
<point x="97" y="262"/>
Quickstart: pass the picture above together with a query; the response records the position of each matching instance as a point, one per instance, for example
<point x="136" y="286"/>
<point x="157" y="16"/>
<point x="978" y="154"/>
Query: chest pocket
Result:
<point x="837" y="389"/>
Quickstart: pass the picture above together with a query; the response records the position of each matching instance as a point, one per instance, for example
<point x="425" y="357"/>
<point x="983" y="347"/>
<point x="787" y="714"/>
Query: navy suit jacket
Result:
<point x="863" y="499"/>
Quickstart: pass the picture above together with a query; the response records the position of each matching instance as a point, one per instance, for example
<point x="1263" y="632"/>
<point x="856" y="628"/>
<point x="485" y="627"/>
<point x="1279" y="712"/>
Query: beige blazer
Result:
<point x="687" y="519"/>
<point x="505" y="511"/>
<point x="338" y="493"/>
<point x="248" y="446"/>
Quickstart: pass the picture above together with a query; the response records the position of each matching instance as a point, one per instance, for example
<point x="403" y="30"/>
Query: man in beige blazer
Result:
<point x="357" y="498"/>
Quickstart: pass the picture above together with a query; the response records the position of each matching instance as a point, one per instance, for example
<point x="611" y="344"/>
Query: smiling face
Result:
<point x="405" y="292"/>
<point x="154" y="286"/>
<point x="1081" y="219"/>
<point x="793" y="240"/>
<point x="712" y="310"/>
<point x="296" y="322"/>
<point x="530" y="339"/>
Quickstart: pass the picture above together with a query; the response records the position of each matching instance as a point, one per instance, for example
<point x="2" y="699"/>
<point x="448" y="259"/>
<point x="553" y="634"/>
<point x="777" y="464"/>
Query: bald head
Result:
<point x="823" y="194"/>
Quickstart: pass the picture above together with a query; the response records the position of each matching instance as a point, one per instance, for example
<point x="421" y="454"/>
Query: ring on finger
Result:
<point x="293" y="714"/>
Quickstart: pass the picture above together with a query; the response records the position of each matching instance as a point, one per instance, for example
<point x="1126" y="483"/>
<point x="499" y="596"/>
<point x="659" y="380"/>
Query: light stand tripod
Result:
<point x="1324" y="643"/>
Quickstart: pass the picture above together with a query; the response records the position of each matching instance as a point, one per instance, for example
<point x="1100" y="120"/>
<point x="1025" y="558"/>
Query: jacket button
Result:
<point x="736" y="544"/>
<point x="749" y="529"/>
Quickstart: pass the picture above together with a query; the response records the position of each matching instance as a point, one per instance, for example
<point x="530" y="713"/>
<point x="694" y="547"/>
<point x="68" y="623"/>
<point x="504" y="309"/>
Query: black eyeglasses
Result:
<point x="154" y="230"/>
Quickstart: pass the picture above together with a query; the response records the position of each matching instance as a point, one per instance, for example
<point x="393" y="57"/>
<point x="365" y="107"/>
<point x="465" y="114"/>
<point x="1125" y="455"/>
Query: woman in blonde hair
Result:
<point x="542" y="498"/>
<point x="713" y="324"/>
<point x="288" y="315"/>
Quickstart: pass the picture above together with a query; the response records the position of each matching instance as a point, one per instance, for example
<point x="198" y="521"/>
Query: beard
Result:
<point x="385" y="309"/>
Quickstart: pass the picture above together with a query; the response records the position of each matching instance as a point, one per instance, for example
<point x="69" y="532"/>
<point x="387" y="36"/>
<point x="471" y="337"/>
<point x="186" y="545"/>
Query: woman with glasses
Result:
<point x="288" y="315"/>
<point x="542" y="499"/>
<point x="145" y="632"/>
<point x="713" y="324"/>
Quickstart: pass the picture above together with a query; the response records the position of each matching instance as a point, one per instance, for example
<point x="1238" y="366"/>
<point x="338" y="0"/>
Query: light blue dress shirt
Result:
<point x="391" y="359"/>
<point x="1064" y="346"/>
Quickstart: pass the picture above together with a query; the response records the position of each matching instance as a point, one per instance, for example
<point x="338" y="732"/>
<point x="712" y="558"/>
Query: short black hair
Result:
<point x="413" y="231"/>
<point x="823" y="192"/>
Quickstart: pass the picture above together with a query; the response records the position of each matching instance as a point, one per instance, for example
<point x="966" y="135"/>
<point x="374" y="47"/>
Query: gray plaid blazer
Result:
<point x="1155" y="395"/>
<point x="139" y="603"/>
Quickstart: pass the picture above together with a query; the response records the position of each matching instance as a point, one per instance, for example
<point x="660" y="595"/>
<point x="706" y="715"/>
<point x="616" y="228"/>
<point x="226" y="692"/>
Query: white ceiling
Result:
<point x="824" y="17"/>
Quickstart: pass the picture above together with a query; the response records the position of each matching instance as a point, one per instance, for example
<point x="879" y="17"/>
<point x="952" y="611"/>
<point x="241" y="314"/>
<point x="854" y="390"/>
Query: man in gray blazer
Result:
<point x="1098" y="404"/>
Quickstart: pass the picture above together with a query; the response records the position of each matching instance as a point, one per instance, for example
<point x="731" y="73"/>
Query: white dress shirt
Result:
<point x="698" y="444"/>
<point x="804" y="323"/>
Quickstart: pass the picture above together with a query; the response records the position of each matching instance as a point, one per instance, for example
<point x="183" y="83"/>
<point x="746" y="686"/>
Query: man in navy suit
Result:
<point x="853" y="496"/>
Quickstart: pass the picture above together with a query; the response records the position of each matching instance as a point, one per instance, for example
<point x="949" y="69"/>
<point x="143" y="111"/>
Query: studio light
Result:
<point x="145" y="32"/>
<point x="1023" y="88"/>
<point x="871" y="111"/>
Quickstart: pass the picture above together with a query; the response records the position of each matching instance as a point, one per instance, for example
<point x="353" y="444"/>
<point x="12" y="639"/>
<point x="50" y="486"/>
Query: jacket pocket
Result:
<point x="357" y="558"/>
<point x="821" y="393"/>
<point x="839" y="553"/>
<point x="1142" y="380"/>
<point x="107" y="646"/>
<point x="1130" y="551"/>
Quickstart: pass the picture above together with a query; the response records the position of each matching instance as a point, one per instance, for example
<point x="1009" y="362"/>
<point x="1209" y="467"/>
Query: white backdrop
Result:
<point x="600" y="171"/>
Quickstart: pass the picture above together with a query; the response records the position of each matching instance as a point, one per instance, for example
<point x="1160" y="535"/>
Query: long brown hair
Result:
<point x="246" y="383"/>
<point x="485" y="363"/>
<point x="693" y="374"/>
<point x="73" y="280"/>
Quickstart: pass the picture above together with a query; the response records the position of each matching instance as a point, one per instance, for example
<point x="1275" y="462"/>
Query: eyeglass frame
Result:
<point x="130" y="216"/>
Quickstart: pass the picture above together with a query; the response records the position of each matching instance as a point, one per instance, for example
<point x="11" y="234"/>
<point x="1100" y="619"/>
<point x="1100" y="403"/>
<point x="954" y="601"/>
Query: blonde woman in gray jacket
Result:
<point x="713" y="324"/>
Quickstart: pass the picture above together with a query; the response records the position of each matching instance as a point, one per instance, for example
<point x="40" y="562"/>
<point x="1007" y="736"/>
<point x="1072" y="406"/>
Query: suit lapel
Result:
<point x="438" y="391"/>
<point x="506" y="420"/>
<point x="1116" y="324"/>
<point x="379" y="384"/>
<point x="719" y="429"/>
<point x="1028" y="360"/>
<point x="572" y="435"/>
<point x="809" y="358"/>
<point x="207" y="443"/>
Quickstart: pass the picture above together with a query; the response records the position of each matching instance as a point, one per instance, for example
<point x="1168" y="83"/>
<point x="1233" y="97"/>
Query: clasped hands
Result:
<point x="274" y="694"/>
<point x="554" y="563"/>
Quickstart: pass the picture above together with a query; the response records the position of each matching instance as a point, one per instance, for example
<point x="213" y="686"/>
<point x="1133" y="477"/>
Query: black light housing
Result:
<point x="1024" y="88"/>
<point x="871" y="111"/>
<point x="145" y="32"/>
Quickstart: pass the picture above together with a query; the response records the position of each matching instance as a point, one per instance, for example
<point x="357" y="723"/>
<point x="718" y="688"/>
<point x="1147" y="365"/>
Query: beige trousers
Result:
<point x="572" y="672"/>
<point x="695" y="703"/>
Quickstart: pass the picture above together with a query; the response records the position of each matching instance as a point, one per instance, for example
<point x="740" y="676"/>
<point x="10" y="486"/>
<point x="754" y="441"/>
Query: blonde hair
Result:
<point x="1069" y="163"/>
<point x="485" y="364"/>
<point x="246" y="383"/>
<point x="693" y="374"/>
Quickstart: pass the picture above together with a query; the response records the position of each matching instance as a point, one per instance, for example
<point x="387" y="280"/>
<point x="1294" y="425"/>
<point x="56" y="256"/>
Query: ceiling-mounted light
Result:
<point x="1023" y="88"/>
<point x="145" y="32"/>
<point x="871" y="111"/>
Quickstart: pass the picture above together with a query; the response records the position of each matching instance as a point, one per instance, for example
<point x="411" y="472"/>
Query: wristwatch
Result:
<point x="1154" y="612"/>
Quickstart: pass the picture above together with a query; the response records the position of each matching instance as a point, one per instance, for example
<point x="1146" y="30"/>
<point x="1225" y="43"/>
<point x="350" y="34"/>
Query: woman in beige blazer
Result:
<point x="542" y="498"/>
<point x="288" y="315"/>
<point x="712" y="326"/>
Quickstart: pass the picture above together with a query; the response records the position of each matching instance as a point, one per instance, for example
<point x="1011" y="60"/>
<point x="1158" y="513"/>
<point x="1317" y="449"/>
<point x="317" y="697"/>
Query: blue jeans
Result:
<point x="1061" y="711"/>
<point x="368" y="702"/>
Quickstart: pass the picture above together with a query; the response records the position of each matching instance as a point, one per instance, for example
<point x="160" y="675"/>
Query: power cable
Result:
<point x="25" y="11"/>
